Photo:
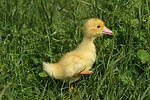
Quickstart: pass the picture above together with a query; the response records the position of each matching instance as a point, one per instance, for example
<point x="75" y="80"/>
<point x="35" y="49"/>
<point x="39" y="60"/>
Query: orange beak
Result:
<point x="107" y="31"/>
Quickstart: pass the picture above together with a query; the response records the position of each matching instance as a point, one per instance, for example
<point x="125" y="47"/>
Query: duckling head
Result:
<point x="95" y="27"/>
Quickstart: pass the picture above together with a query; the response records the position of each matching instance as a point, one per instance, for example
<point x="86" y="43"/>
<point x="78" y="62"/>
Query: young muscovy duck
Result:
<point x="79" y="61"/>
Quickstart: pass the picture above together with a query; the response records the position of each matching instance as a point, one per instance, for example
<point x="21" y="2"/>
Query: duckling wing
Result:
<point x="80" y="66"/>
<point x="72" y="65"/>
<point x="79" y="63"/>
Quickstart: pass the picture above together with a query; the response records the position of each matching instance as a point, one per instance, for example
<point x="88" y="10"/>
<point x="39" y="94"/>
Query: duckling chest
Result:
<point x="89" y="56"/>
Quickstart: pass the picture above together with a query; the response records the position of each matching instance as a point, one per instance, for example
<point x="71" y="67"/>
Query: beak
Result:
<point x="107" y="31"/>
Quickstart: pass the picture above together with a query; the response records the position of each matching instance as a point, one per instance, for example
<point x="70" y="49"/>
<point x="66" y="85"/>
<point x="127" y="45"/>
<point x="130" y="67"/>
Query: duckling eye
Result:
<point x="98" y="26"/>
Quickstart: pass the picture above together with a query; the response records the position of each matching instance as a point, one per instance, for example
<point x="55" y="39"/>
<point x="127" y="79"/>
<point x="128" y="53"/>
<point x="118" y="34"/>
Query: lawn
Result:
<point x="33" y="31"/>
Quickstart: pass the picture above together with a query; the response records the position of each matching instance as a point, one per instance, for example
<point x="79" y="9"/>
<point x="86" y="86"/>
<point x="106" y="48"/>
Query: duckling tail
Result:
<point x="48" y="68"/>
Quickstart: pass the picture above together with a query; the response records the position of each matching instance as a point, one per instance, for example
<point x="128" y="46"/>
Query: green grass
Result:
<point x="33" y="31"/>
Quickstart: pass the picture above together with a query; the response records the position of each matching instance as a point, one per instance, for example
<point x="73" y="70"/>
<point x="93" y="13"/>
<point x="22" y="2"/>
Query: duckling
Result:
<point x="79" y="61"/>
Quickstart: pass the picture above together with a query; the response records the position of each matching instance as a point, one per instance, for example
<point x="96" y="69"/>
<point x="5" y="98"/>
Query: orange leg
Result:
<point x="83" y="73"/>
<point x="86" y="72"/>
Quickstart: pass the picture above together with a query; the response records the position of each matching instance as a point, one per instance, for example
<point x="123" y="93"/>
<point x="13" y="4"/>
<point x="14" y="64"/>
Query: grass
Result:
<point x="33" y="31"/>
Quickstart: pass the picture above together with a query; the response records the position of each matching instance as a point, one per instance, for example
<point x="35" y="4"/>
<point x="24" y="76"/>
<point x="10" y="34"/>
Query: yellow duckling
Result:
<point x="79" y="61"/>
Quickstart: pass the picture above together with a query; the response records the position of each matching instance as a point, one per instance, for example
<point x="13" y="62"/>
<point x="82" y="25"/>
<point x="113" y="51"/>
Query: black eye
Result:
<point x="98" y="26"/>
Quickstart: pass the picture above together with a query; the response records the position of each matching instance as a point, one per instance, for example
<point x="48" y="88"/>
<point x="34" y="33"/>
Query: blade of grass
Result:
<point x="4" y="89"/>
<point x="43" y="91"/>
<point x="102" y="81"/>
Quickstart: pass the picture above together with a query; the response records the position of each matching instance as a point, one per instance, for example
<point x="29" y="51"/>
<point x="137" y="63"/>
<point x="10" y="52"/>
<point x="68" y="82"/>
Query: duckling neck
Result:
<point x="86" y="49"/>
<point x="88" y="36"/>
<point x="86" y="39"/>
<point x="87" y="45"/>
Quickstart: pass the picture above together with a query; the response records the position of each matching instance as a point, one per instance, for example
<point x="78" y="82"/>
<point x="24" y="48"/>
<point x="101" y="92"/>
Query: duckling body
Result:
<point x="79" y="61"/>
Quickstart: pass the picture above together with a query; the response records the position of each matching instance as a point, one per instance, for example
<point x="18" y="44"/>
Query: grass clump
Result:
<point x="32" y="31"/>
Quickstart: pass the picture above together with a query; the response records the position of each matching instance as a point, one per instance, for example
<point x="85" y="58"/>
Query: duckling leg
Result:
<point x="83" y="73"/>
<point x="86" y="72"/>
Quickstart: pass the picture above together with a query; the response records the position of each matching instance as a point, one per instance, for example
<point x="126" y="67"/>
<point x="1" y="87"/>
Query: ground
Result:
<point x="33" y="31"/>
